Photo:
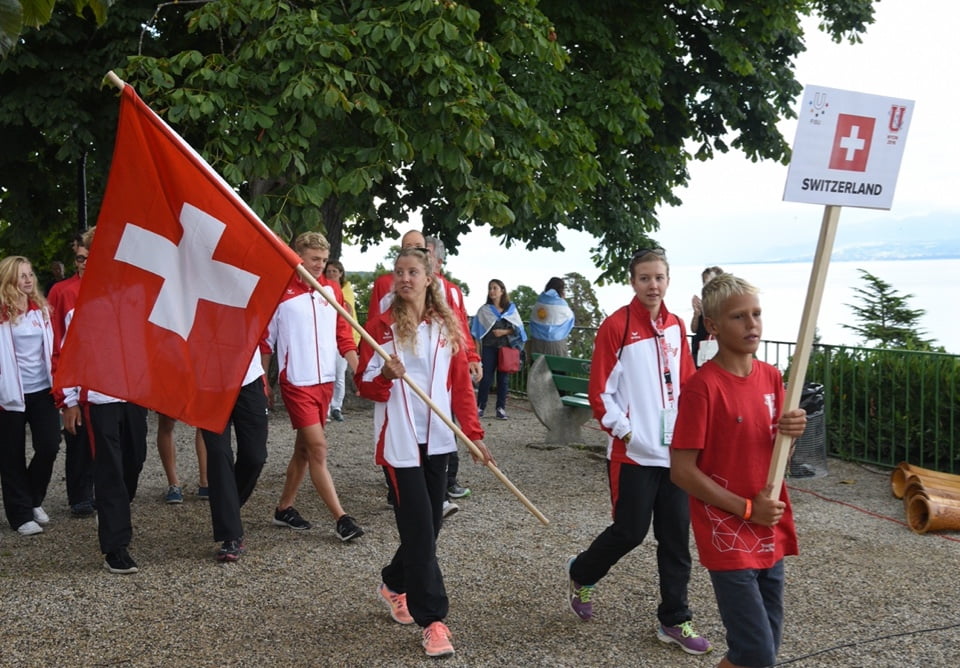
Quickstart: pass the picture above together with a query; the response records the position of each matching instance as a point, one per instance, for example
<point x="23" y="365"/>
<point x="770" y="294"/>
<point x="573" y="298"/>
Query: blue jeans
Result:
<point x="490" y="356"/>
<point x="751" y="607"/>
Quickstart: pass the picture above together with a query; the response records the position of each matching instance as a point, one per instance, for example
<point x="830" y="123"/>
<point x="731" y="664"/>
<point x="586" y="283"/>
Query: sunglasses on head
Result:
<point x="656" y="250"/>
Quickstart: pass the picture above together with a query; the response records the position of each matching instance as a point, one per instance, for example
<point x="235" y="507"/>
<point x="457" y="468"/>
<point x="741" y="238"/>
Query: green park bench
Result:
<point x="557" y="391"/>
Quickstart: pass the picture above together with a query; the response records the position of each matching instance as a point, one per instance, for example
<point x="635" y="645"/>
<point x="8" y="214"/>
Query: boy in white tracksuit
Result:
<point x="308" y="335"/>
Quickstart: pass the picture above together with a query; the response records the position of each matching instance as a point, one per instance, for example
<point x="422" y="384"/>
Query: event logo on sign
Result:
<point x="897" y="112"/>
<point x="851" y="143"/>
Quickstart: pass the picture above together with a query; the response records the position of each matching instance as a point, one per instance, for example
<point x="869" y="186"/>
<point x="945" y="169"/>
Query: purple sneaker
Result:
<point x="683" y="634"/>
<point x="578" y="596"/>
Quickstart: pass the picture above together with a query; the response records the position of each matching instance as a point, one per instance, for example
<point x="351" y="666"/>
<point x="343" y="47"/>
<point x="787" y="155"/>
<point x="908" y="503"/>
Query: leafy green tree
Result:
<point x="521" y="116"/>
<point x="884" y="317"/>
<point x="57" y="126"/>
<point x="524" y="297"/>
<point x="586" y="312"/>
<point x="15" y="14"/>
<point x="362" y="287"/>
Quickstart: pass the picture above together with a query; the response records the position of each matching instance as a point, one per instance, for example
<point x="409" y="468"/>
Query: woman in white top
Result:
<point x="26" y="344"/>
<point x="425" y="342"/>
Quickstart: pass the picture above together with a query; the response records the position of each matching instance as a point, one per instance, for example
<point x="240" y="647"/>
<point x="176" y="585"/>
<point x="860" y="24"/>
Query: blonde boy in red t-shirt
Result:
<point x="721" y="452"/>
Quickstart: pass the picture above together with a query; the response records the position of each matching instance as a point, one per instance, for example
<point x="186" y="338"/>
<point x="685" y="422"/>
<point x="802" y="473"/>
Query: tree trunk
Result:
<point x="333" y="225"/>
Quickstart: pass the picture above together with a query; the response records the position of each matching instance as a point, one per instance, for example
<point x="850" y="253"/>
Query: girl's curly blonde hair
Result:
<point x="10" y="294"/>
<point x="436" y="308"/>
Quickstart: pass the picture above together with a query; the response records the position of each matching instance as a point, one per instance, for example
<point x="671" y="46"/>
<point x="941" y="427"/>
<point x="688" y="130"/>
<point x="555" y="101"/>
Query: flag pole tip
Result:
<point x="115" y="80"/>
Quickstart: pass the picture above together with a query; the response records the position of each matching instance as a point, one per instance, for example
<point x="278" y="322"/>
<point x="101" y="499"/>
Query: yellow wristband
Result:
<point x="749" y="510"/>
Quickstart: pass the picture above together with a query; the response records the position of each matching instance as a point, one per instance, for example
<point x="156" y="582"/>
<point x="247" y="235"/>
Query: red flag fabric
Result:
<point x="181" y="282"/>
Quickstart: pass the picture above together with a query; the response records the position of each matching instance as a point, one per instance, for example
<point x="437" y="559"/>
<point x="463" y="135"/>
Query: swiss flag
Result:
<point x="182" y="280"/>
<point x="851" y="142"/>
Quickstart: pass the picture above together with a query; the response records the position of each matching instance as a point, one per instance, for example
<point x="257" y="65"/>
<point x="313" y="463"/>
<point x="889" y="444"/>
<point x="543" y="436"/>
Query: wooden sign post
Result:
<point x="801" y="354"/>
<point x="847" y="152"/>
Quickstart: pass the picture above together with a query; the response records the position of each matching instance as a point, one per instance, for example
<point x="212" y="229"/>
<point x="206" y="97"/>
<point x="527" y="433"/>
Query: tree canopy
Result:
<point x="517" y="115"/>
<point x="15" y="14"/>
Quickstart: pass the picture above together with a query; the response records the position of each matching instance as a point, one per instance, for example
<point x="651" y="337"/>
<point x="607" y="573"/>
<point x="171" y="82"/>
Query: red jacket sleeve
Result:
<point x="377" y="388"/>
<point x="460" y="309"/>
<point x="462" y="400"/>
<point x="606" y="348"/>
<point x="687" y="367"/>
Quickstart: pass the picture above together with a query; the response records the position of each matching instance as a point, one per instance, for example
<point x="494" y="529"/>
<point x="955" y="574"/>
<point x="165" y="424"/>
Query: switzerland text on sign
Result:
<point x="848" y="148"/>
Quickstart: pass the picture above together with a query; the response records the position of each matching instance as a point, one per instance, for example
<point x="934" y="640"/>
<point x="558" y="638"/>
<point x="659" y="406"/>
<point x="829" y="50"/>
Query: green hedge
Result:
<point x="886" y="406"/>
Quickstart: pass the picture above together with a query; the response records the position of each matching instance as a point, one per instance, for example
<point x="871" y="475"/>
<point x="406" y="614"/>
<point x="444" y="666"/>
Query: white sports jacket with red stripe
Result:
<point x="628" y="388"/>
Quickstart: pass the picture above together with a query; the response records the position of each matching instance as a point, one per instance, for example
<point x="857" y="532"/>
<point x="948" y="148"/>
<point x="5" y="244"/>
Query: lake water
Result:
<point x="934" y="284"/>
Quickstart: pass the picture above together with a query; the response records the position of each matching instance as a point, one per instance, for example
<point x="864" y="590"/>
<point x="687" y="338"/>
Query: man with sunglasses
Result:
<point x="641" y="359"/>
<point x="78" y="463"/>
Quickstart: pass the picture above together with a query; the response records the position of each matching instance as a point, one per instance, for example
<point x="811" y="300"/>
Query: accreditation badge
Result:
<point x="668" y="419"/>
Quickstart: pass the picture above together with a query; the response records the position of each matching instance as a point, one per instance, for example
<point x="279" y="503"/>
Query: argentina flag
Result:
<point x="551" y="318"/>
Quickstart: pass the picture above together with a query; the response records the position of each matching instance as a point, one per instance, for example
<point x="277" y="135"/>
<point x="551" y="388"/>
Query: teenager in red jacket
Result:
<point x="412" y="443"/>
<point x="640" y="361"/>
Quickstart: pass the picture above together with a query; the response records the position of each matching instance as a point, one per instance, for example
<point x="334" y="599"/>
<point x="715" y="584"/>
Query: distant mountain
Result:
<point x="931" y="237"/>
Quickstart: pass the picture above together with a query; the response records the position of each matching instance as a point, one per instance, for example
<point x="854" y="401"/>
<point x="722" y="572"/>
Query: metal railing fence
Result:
<point x="880" y="406"/>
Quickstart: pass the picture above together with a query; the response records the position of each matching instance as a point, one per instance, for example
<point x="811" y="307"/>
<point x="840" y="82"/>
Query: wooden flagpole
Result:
<point x="474" y="450"/>
<point x="801" y="354"/>
<point x="308" y="278"/>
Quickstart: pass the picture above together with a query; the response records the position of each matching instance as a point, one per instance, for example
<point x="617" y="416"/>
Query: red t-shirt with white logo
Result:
<point x="732" y="420"/>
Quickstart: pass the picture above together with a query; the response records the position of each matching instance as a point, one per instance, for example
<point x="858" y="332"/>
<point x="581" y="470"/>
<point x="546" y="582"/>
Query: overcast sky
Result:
<point x="733" y="208"/>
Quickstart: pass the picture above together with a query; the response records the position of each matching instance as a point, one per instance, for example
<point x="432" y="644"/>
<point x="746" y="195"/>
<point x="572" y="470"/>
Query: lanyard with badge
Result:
<point x="668" y="414"/>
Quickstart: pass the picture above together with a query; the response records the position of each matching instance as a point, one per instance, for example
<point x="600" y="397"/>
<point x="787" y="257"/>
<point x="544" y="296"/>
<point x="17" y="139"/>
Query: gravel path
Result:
<point x="865" y="591"/>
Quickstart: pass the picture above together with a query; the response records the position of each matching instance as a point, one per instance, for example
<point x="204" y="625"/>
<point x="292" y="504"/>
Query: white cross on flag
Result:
<point x="182" y="280"/>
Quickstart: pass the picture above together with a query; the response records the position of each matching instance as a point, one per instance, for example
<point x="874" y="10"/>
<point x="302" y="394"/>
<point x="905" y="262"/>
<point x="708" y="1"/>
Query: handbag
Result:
<point x="508" y="360"/>
<point x="708" y="348"/>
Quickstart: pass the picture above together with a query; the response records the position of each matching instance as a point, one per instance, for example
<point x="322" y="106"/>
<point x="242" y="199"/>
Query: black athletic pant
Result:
<point x="453" y="468"/>
<point x="232" y="483"/>
<point x="418" y="509"/>
<point x="639" y="494"/>
<point x="78" y="467"/>
<point x="25" y="485"/>
<point x="118" y="438"/>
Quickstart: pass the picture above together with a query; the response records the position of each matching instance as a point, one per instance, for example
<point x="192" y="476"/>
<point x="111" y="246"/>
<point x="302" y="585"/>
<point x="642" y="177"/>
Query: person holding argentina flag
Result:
<point x="499" y="330"/>
<point x="551" y="321"/>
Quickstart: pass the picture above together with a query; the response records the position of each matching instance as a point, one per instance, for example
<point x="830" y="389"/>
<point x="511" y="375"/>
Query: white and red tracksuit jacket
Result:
<point x="628" y="389"/>
<point x="308" y="334"/>
<point x="11" y="385"/>
<point x="451" y="390"/>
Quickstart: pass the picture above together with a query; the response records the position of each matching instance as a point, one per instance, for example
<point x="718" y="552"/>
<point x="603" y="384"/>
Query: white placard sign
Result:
<point x="848" y="148"/>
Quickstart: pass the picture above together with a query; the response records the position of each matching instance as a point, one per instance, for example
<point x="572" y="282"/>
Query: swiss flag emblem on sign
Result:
<point x="851" y="143"/>
<point x="182" y="280"/>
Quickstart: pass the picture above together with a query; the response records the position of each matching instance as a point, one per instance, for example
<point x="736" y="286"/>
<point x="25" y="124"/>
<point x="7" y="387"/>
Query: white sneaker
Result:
<point x="30" y="528"/>
<point x="449" y="508"/>
<point x="40" y="516"/>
